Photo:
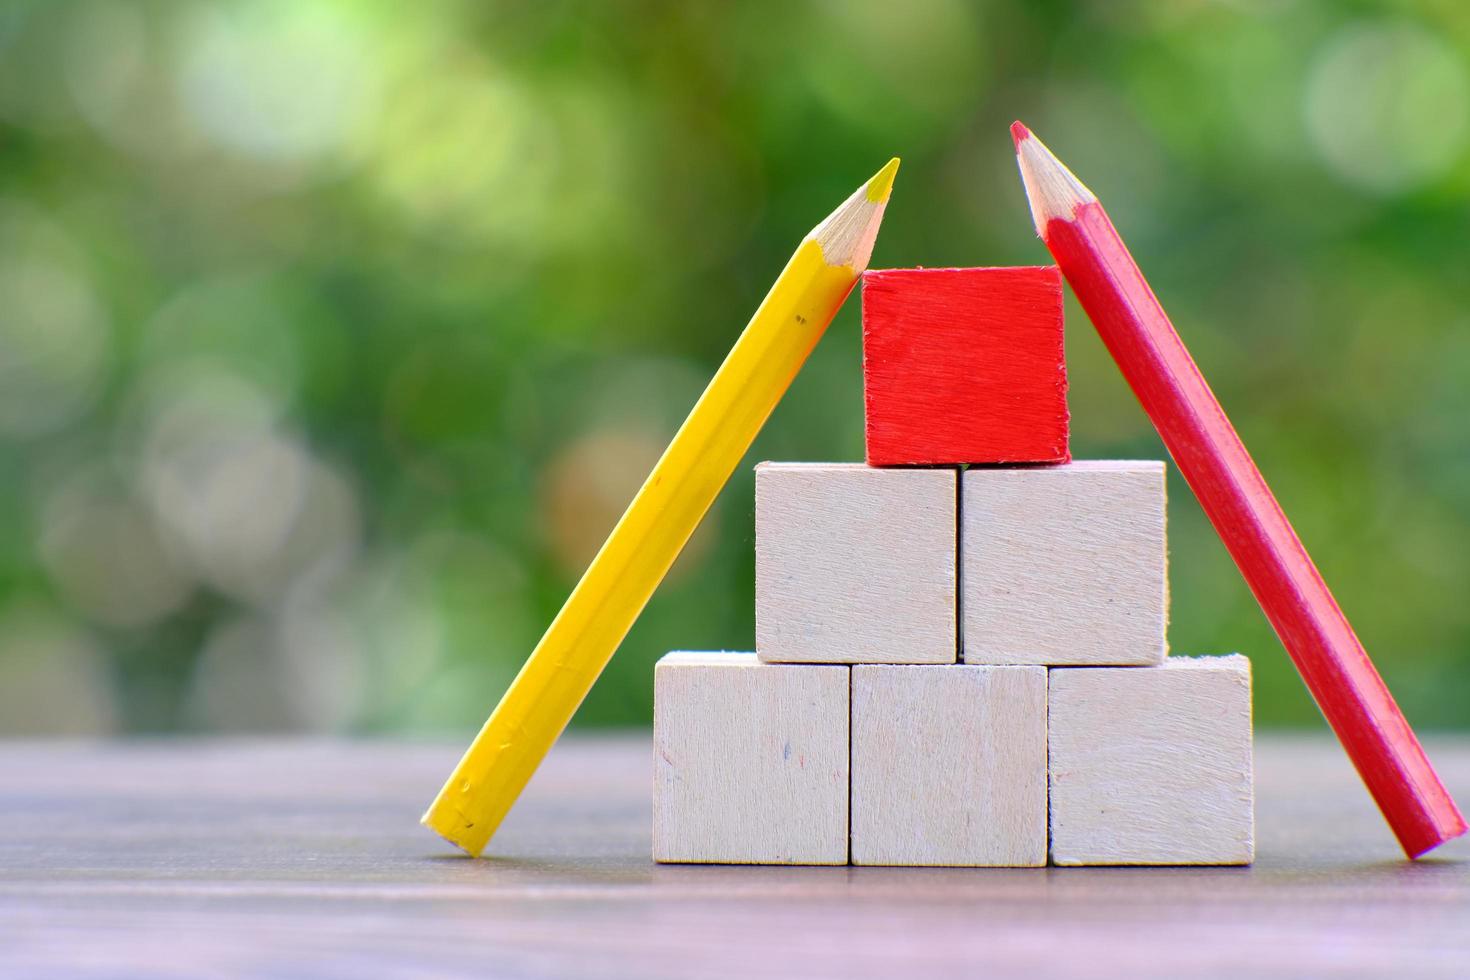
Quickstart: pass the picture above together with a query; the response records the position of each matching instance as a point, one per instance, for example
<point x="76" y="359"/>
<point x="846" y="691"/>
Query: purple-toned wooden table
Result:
<point x="305" y="858"/>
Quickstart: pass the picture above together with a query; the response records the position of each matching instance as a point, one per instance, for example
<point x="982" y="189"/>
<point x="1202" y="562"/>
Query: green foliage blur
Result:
<point x="334" y="336"/>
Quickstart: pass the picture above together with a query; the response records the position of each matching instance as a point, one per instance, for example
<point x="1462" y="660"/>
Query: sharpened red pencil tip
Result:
<point x="1019" y="132"/>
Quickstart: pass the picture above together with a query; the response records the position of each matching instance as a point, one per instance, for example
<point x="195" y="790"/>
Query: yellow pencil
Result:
<point x="633" y="560"/>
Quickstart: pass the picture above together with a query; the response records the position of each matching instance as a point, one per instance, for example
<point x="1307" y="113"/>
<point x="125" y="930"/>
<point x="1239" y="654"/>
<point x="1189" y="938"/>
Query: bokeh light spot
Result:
<point x="1387" y="106"/>
<point x="55" y="677"/>
<point x="589" y="484"/>
<point x="276" y="80"/>
<point x="251" y="508"/>
<point x="460" y="146"/>
<point x="105" y="553"/>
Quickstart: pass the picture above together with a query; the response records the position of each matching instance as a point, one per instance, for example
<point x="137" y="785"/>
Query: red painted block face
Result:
<point x="964" y="366"/>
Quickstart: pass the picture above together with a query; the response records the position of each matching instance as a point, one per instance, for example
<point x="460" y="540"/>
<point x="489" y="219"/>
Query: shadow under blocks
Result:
<point x="961" y="643"/>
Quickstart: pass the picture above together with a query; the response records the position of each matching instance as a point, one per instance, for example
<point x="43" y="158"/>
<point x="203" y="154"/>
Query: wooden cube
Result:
<point x="750" y="761"/>
<point x="949" y="765"/>
<point x="964" y="366"/>
<point x="1064" y="565"/>
<point x="1152" y="765"/>
<point x="854" y="564"/>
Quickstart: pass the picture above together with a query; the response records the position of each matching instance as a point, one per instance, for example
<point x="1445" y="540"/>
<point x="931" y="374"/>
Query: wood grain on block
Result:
<point x="750" y="761"/>
<point x="949" y="765"/>
<point x="854" y="564"/>
<point x="1152" y="765"/>
<point x="1064" y="565"/>
<point x="964" y="366"/>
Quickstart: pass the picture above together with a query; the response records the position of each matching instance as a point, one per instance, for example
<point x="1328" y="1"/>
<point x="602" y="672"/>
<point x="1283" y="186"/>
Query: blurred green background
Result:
<point x="334" y="336"/>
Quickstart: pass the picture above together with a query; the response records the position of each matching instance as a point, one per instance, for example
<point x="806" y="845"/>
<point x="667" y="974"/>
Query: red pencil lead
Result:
<point x="1211" y="457"/>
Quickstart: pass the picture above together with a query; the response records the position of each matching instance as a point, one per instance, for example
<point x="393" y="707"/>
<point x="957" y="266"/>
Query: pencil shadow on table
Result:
<point x="1425" y="867"/>
<point x="580" y="868"/>
<point x="1424" y="870"/>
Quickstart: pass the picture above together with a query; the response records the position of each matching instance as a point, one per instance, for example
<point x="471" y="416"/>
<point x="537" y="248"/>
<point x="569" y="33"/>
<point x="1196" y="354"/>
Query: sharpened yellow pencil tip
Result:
<point x="882" y="182"/>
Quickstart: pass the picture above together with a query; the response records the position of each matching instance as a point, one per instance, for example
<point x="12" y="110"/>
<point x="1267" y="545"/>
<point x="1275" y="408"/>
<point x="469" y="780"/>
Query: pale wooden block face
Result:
<point x="949" y="765"/>
<point x="854" y="564"/>
<point x="1152" y="765"/>
<point x="750" y="761"/>
<point x="1064" y="565"/>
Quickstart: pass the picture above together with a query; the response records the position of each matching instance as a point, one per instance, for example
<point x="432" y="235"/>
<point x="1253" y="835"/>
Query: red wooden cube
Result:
<point x="964" y="366"/>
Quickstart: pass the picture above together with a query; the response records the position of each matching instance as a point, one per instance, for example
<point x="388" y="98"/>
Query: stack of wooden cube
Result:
<point x="961" y="653"/>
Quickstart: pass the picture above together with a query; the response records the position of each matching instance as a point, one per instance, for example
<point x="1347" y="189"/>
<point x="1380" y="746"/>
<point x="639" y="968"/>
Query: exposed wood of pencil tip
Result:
<point x="847" y="234"/>
<point x="1052" y="190"/>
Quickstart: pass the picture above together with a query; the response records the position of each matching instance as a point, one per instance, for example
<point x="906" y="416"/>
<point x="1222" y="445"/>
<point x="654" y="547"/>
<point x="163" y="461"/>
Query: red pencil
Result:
<point x="1212" y="458"/>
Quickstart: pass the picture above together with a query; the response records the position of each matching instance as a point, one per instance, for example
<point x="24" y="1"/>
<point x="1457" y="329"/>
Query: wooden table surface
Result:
<point x="246" y="859"/>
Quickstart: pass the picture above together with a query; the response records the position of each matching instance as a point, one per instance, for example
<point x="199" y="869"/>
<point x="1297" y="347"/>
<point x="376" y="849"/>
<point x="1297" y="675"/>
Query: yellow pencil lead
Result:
<point x="882" y="182"/>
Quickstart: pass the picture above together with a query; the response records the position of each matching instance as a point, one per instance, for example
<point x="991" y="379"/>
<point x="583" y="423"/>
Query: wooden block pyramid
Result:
<point x="961" y="653"/>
